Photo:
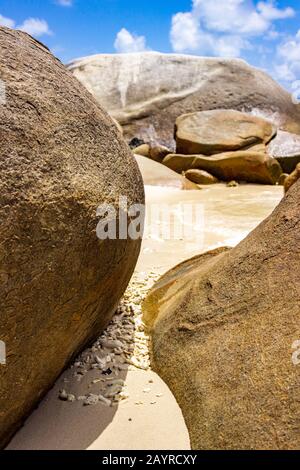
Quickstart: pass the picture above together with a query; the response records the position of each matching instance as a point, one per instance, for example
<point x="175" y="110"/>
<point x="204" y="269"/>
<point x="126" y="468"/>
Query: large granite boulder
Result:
<point x="285" y="147"/>
<point x="225" y="328"/>
<point x="61" y="156"/>
<point x="221" y="130"/>
<point x="146" y="92"/>
<point x="248" y="165"/>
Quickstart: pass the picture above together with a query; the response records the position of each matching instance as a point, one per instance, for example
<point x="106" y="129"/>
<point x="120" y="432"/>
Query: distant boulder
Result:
<point x="285" y="147"/>
<point x="147" y="91"/>
<point x="210" y="132"/>
<point x="247" y="165"/>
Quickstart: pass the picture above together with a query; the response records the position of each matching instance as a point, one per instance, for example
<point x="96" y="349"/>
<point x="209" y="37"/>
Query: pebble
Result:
<point x="71" y="397"/>
<point x="232" y="184"/>
<point x="121" y="347"/>
<point x="63" y="395"/>
<point x="104" y="400"/>
<point x="91" y="400"/>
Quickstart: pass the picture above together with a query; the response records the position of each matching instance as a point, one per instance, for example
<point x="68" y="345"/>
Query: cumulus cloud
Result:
<point x="188" y="35"/>
<point x="289" y="50"/>
<point x="35" y="27"/>
<point x="8" y="22"/>
<point x="224" y="28"/>
<point x="185" y="32"/>
<point x="270" y="12"/>
<point x="128" y="42"/>
<point x="288" y="55"/>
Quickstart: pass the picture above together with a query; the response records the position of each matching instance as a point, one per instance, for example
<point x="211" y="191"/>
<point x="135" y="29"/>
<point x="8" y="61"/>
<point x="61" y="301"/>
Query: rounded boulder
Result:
<point x="61" y="157"/>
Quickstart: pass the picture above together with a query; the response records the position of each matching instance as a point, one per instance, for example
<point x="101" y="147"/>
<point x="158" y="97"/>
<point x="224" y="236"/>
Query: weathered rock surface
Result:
<point x="61" y="157"/>
<point x="223" y="329"/>
<point x="155" y="174"/>
<point x="142" y="150"/>
<point x="147" y="91"/>
<point x="216" y="131"/>
<point x="283" y="178"/>
<point x="248" y="165"/>
<point x="158" y="153"/>
<point x="200" y="177"/>
<point x="292" y="178"/>
<point x="286" y="149"/>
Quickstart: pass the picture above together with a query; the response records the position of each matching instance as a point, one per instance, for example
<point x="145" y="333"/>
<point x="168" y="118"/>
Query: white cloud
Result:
<point x="287" y="68"/>
<point x="224" y="17"/>
<point x="289" y="50"/>
<point x="185" y="32"/>
<point x="224" y="27"/>
<point x="284" y="73"/>
<point x="65" y="3"/>
<point x="269" y="11"/>
<point x="128" y="42"/>
<point x="8" y="22"/>
<point x="35" y="27"/>
<point x="187" y="35"/>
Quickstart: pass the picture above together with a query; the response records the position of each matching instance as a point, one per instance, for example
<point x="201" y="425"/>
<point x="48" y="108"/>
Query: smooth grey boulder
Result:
<point x="285" y="147"/>
<point x="147" y="91"/>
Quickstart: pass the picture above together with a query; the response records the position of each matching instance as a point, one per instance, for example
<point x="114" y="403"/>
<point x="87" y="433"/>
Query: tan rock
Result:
<point x="158" y="153"/>
<point x="61" y="157"/>
<point x="283" y="178"/>
<point x="216" y="131"/>
<point x="142" y="150"/>
<point x="201" y="177"/>
<point x="118" y="126"/>
<point x="253" y="167"/>
<point x="292" y="178"/>
<point x="225" y="337"/>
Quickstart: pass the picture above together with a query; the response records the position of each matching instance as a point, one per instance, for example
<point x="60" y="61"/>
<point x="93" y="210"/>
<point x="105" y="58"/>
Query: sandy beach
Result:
<point x="146" y="416"/>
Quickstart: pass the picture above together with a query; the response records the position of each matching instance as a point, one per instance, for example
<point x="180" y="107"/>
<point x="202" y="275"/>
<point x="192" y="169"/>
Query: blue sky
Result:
<point x="264" y="32"/>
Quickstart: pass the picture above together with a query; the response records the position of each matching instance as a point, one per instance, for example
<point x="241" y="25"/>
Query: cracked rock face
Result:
<point x="146" y="92"/>
<point x="61" y="156"/>
<point x="223" y="327"/>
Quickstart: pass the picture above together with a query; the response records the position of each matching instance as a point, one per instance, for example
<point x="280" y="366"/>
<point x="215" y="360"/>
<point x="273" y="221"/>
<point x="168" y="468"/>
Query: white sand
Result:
<point x="229" y="214"/>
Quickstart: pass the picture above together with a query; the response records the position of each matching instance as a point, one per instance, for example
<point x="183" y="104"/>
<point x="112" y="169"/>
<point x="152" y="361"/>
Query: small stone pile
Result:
<point x="219" y="145"/>
<point x="224" y="145"/>
<point x="123" y="346"/>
